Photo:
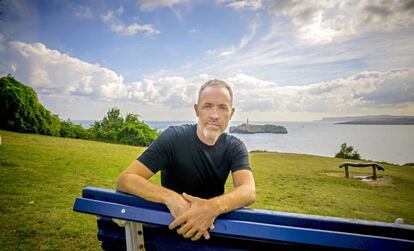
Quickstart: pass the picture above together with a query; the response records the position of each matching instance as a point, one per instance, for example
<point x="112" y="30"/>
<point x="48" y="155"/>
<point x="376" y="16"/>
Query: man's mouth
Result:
<point x="213" y="125"/>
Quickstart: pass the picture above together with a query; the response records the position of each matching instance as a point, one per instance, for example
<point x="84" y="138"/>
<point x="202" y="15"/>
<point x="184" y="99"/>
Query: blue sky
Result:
<point x="286" y="60"/>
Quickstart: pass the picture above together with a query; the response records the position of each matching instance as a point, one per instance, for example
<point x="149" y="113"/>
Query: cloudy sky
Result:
<point x="286" y="60"/>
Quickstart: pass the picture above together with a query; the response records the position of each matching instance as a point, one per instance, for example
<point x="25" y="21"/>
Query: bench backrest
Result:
<point x="243" y="229"/>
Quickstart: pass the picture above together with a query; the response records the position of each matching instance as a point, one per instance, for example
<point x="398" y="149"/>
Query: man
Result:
<point x="195" y="161"/>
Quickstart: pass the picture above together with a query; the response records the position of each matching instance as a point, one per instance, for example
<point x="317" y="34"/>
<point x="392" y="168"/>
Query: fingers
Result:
<point x="177" y="222"/>
<point x="198" y="235"/>
<point x="206" y="235"/>
<point x="212" y="226"/>
<point x="190" y="233"/>
<point x="184" y="229"/>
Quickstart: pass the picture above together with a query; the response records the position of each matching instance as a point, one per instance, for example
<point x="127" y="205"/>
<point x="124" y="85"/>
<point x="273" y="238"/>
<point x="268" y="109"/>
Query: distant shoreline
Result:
<point x="372" y="120"/>
<point x="375" y="123"/>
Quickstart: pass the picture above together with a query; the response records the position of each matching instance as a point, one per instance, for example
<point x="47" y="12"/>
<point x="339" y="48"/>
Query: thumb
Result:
<point x="189" y="197"/>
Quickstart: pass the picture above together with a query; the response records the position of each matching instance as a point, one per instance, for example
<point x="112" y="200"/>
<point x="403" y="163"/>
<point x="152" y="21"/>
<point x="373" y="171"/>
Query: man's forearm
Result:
<point x="240" y="196"/>
<point x="141" y="187"/>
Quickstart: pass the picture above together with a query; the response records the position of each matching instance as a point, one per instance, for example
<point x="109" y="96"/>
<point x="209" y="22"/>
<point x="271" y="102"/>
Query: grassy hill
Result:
<point x="40" y="177"/>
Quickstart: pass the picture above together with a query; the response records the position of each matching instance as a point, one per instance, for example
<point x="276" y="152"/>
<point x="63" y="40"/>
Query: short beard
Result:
<point x="211" y="134"/>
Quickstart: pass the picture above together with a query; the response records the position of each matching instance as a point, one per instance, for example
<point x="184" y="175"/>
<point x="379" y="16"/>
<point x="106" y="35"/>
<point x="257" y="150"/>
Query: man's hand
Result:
<point x="195" y="222"/>
<point x="177" y="205"/>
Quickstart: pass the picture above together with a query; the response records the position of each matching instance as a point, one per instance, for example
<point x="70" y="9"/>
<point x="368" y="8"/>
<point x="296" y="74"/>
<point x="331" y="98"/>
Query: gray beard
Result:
<point x="212" y="135"/>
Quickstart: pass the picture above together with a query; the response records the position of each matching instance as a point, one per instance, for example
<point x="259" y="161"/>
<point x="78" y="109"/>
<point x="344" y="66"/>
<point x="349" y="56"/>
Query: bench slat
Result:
<point x="252" y="230"/>
<point x="271" y="217"/>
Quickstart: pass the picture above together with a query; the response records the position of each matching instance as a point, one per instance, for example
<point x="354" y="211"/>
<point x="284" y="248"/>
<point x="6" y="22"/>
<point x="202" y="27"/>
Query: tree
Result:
<point x="347" y="152"/>
<point x="70" y="130"/>
<point x="107" y="129"/>
<point x="21" y="111"/>
<point x="131" y="131"/>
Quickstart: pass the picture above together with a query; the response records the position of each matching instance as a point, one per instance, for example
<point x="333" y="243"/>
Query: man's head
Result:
<point x="214" y="109"/>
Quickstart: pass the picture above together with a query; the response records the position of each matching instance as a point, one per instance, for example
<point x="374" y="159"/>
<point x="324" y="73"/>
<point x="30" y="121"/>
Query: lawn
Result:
<point x="40" y="177"/>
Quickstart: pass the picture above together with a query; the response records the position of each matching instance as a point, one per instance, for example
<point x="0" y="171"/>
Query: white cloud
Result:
<point x="52" y="72"/>
<point x="108" y="16"/>
<point x="149" y="5"/>
<point x="133" y="29"/>
<point x="119" y="11"/>
<point x="369" y="91"/>
<point x="111" y="19"/>
<point x="82" y="11"/>
<point x="175" y="92"/>
<point x="243" y="42"/>
<point x="326" y="21"/>
<point x="242" y="4"/>
<point x="365" y="90"/>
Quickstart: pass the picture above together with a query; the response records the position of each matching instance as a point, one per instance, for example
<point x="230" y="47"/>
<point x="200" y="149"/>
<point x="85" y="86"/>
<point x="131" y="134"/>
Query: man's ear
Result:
<point x="196" y="110"/>
<point x="232" y="112"/>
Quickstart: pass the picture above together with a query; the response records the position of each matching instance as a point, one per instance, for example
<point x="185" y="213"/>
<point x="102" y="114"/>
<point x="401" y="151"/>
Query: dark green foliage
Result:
<point x="347" y="152"/>
<point x="131" y="131"/>
<point x="21" y="111"/>
<point x="70" y="130"/>
<point x="107" y="129"/>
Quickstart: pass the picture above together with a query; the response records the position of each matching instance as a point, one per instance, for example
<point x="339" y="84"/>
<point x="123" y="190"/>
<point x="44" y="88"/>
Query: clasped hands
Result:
<point x="193" y="216"/>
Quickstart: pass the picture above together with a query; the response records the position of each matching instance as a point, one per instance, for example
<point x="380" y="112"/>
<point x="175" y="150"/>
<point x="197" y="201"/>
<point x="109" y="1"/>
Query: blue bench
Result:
<point x="126" y="222"/>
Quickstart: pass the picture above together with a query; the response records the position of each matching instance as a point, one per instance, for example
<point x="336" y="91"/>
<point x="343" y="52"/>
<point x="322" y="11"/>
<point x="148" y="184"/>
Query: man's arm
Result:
<point x="134" y="180"/>
<point x="200" y="217"/>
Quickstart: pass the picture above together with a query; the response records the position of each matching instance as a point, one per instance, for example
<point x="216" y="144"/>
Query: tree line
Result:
<point x="21" y="111"/>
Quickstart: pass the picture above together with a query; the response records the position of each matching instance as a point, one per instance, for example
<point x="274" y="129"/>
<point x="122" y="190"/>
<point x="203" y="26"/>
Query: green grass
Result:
<point x="40" y="177"/>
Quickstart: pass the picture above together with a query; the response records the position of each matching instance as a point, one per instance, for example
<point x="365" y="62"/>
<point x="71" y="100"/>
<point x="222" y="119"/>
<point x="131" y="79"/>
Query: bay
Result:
<point x="390" y="143"/>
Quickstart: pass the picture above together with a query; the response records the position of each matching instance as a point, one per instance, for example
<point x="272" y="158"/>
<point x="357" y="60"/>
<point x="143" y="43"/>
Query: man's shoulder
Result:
<point x="232" y="140"/>
<point x="181" y="130"/>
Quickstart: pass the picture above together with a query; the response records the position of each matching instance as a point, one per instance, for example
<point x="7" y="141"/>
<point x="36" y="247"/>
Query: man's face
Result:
<point x="214" y="111"/>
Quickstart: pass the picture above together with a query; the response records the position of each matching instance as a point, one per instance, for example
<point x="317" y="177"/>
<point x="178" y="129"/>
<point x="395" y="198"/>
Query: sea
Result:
<point x="389" y="143"/>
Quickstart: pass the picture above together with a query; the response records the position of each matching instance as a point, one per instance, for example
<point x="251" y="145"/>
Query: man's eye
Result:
<point x="223" y="108"/>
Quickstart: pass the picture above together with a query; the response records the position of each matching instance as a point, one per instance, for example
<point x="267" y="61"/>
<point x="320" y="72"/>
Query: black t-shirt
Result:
<point x="188" y="165"/>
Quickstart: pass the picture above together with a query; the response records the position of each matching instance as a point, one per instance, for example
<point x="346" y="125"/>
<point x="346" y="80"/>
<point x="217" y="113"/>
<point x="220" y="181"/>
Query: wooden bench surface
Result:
<point x="361" y="164"/>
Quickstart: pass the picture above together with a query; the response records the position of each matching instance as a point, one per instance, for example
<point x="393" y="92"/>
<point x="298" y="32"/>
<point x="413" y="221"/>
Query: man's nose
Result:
<point x="214" y="114"/>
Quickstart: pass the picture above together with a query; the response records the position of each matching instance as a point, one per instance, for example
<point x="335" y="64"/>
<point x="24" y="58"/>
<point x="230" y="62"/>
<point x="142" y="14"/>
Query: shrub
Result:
<point x="20" y="110"/>
<point x="347" y="152"/>
<point x="131" y="131"/>
<point x="70" y="130"/>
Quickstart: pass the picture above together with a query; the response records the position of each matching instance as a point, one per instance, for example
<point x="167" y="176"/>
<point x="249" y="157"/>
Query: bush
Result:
<point x="115" y="129"/>
<point x="20" y="110"/>
<point x="70" y="130"/>
<point x="347" y="152"/>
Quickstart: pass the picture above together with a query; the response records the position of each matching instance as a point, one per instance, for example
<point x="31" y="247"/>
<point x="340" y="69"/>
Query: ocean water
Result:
<point x="390" y="143"/>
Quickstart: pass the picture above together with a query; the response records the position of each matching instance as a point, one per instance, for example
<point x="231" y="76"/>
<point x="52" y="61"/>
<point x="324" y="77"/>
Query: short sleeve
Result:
<point x="160" y="153"/>
<point x="240" y="157"/>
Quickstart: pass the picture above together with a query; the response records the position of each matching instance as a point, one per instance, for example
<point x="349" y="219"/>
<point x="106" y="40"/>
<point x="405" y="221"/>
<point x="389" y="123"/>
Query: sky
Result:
<point x="286" y="60"/>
